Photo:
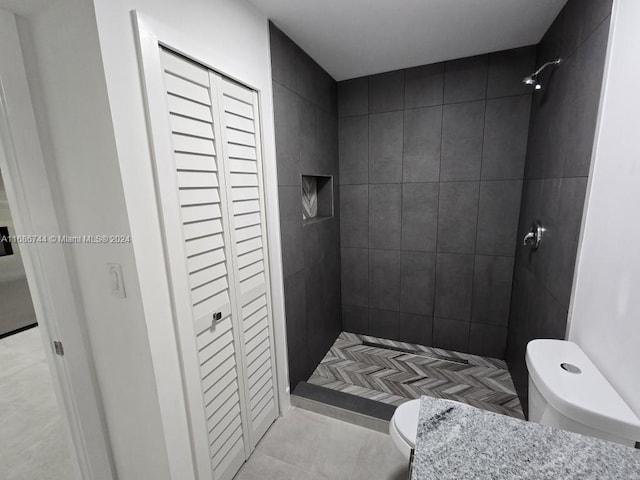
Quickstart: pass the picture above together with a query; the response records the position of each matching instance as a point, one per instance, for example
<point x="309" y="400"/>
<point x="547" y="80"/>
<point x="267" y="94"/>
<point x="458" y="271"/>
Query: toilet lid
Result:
<point x="405" y="419"/>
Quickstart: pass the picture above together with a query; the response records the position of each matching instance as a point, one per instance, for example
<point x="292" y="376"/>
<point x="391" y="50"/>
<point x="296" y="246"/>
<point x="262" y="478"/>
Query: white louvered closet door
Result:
<point x="212" y="372"/>
<point x="243" y="170"/>
<point x="213" y="214"/>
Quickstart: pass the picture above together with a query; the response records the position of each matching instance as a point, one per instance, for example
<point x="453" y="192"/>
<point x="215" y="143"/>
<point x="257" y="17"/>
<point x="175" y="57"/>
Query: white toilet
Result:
<point x="567" y="391"/>
<point x="404" y="426"/>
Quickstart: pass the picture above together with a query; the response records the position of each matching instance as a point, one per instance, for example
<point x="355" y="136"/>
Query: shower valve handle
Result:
<point x="534" y="237"/>
<point x="528" y="237"/>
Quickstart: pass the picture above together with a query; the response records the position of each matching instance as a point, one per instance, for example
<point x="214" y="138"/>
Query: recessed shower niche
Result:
<point x="317" y="197"/>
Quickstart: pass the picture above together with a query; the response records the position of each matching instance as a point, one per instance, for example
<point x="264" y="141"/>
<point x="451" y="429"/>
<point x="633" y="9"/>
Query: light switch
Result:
<point x="116" y="280"/>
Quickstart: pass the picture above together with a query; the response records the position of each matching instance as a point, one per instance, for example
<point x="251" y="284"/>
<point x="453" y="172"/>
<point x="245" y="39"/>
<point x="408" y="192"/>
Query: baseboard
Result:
<point x="18" y="330"/>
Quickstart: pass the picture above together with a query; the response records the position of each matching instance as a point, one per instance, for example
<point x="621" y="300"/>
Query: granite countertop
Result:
<point x="460" y="442"/>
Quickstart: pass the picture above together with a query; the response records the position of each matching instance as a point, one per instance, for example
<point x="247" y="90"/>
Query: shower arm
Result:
<point x="553" y="62"/>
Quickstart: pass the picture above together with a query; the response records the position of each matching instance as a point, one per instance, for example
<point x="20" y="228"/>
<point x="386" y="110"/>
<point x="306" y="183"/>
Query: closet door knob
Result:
<point x="217" y="316"/>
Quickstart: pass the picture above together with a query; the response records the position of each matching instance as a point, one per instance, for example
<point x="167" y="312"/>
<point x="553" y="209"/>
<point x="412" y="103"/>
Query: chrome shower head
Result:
<point x="533" y="81"/>
<point x="533" y="78"/>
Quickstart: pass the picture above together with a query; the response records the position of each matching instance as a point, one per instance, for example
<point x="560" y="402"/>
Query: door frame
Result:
<point x="49" y="271"/>
<point x="147" y="48"/>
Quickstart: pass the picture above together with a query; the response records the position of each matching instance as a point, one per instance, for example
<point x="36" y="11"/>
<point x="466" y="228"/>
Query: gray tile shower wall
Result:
<point x="305" y="111"/>
<point x="561" y="134"/>
<point x="431" y="167"/>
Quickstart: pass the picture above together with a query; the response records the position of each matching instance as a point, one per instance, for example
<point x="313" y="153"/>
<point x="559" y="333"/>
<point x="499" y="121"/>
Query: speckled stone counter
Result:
<point x="459" y="442"/>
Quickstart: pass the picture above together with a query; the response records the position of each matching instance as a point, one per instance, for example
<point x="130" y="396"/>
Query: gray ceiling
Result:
<point x="352" y="38"/>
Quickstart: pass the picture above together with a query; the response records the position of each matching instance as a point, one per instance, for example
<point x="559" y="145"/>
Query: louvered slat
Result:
<point x="241" y="138"/>
<point x="248" y="220"/>
<point x="191" y="144"/>
<point x="200" y="245"/>
<point x="199" y="196"/>
<point x="249" y="258"/>
<point x="207" y="274"/>
<point x="239" y="165"/>
<point x="189" y="109"/>
<point x="248" y="193"/>
<point x="199" y="262"/>
<point x="202" y="228"/>
<point x="190" y="179"/>
<point x="248" y="206"/>
<point x="190" y="161"/>
<point x="181" y="87"/>
<point x="247" y="233"/>
<point x="189" y="126"/>
<point x="179" y="66"/>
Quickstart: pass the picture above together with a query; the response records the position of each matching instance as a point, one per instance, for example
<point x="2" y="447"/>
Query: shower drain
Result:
<point x="420" y="353"/>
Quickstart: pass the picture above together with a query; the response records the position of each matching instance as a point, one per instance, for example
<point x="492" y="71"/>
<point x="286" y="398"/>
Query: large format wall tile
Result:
<point x="462" y="133"/>
<point x="384" y="280"/>
<point x="419" y="216"/>
<point x="415" y="147"/>
<point x="286" y="124"/>
<point x="457" y="217"/>
<point x="507" y="69"/>
<point x="454" y="283"/>
<point x="311" y="151"/>
<point x="504" y="148"/>
<point x="385" y="147"/>
<point x="564" y="243"/>
<point x="416" y="329"/>
<point x="487" y="340"/>
<point x="451" y="334"/>
<point x="421" y="147"/>
<point x="306" y="136"/>
<point x="355" y="319"/>
<point x="354" y="221"/>
<point x="291" y="229"/>
<point x="353" y="138"/>
<point x="283" y="59"/>
<point x="386" y="92"/>
<point x="492" y="278"/>
<point x="465" y="79"/>
<point x="424" y="86"/>
<point x="583" y="111"/>
<point x="355" y="276"/>
<point x="353" y="97"/>
<point x="296" y="313"/>
<point x="498" y="213"/>
<point x="383" y="323"/>
<point x="385" y="208"/>
<point x="417" y="282"/>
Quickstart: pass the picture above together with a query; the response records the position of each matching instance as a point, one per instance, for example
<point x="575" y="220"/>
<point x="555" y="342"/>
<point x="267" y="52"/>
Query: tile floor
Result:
<point x="393" y="376"/>
<point x="33" y="445"/>
<point x="303" y="445"/>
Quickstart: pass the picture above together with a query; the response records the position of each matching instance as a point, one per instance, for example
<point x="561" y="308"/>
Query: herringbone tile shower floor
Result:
<point x="393" y="375"/>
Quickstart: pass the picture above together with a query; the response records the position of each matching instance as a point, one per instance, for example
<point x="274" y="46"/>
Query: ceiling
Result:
<point x="352" y="38"/>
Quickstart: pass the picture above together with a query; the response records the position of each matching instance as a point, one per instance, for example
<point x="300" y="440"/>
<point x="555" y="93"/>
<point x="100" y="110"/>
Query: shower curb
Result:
<point x="343" y="406"/>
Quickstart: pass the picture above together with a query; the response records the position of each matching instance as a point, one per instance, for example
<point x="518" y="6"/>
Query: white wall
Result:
<point x="232" y="37"/>
<point x="66" y="77"/>
<point x="605" y="311"/>
<point x="86" y="87"/>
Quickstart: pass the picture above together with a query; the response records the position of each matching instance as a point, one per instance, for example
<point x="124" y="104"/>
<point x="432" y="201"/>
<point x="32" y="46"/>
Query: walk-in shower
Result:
<point x="533" y="78"/>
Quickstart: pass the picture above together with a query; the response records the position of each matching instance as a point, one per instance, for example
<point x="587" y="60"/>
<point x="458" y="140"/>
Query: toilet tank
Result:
<point x="567" y="391"/>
